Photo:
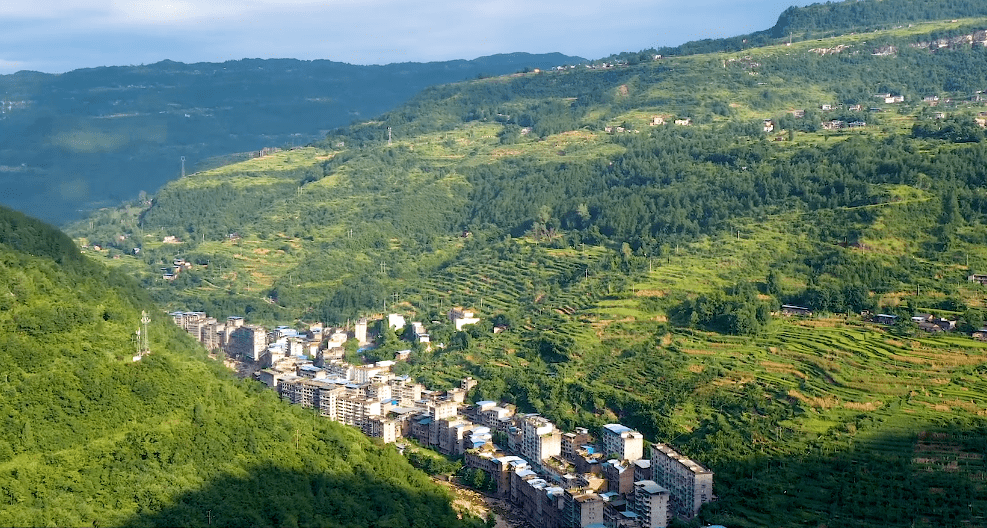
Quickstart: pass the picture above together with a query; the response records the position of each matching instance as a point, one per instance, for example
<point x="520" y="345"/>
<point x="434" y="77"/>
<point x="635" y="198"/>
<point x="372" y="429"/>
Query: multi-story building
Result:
<point x="405" y="390"/>
<point x="360" y="332"/>
<point x="210" y="334"/>
<point x="623" y="443"/>
<point x="581" y="509"/>
<point x="355" y="409"/>
<point x="620" y="477"/>
<point x="689" y="484"/>
<point x="377" y="390"/>
<point x="307" y="392"/>
<point x="383" y="428"/>
<point x="539" y="439"/>
<point x="248" y="343"/>
<point x="493" y="416"/>
<point x="650" y="503"/>
<point x="572" y="442"/>
<point x="642" y="469"/>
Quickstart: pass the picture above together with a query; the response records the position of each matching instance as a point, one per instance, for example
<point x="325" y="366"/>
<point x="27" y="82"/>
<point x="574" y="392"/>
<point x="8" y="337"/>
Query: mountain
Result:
<point x="97" y="136"/>
<point x="636" y="229"/>
<point x="835" y="18"/>
<point x="89" y="436"/>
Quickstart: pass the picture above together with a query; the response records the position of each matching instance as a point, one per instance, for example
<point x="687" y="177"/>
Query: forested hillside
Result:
<point x="826" y="19"/>
<point x="90" y="437"/>
<point x="75" y="141"/>
<point x="636" y="229"/>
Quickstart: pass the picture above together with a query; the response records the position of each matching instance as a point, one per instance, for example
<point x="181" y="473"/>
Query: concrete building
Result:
<point x="650" y="503"/>
<point x="619" y="475"/>
<point x="572" y="442"/>
<point x="642" y="469"/>
<point x="539" y="439"/>
<point x="689" y="484"/>
<point x="405" y="390"/>
<point x="385" y="429"/>
<point x="461" y="317"/>
<point x="581" y="509"/>
<point x="248" y="343"/>
<point x="360" y="332"/>
<point x="355" y="409"/>
<point x="621" y="442"/>
<point x="395" y="321"/>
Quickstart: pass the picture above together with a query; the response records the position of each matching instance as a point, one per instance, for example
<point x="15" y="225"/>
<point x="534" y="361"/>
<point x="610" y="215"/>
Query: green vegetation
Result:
<point x="89" y="436"/>
<point x="638" y="272"/>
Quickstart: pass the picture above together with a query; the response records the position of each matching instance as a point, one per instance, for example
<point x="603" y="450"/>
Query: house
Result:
<point x="978" y="277"/>
<point x="657" y="120"/>
<point x="683" y="122"/>
<point x="798" y="113"/>
<point x="857" y="124"/>
<point x="930" y="99"/>
<point x="790" y="309"/>
<point x="461" y="318"/>
<point x="395" y="321"/>
<point x="885" y="319"/>
<point x="769" y="126"/>
<point x="854" y="108"/>
<point x="940" y="115"/>
<point x="826" y="107"/>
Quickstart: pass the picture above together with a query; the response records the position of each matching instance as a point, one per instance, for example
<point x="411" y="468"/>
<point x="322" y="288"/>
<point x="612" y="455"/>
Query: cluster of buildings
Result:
<point x="557" y="479"/>
<point x="265" y="348"/>
<point x="571" y="479"/>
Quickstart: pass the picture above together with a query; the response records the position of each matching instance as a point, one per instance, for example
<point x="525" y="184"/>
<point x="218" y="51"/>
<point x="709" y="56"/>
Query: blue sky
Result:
<point x="60" y="35"/>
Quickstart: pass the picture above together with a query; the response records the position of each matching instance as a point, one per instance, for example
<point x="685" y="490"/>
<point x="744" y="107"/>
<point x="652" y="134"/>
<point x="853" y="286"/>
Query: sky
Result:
<point x="56" y="36"/>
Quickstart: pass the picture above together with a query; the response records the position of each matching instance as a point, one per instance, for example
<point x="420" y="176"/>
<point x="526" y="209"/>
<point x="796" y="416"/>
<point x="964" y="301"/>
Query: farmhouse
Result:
<point x="885" y="319"/>
<point x="978" y="277"/>
<point x="790" y="309"/>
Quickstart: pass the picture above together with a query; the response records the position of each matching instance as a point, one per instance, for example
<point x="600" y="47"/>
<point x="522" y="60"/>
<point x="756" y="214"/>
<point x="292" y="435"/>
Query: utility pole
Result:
<point x="146" y="345"/>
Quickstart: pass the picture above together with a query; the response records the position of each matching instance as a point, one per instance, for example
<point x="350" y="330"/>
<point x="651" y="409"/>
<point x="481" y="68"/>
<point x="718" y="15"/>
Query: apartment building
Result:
<point x="581" y="509"/>
<point x="539" y="439"/>
<point x="621" y="442"/>
<point x="650" y="503"/>
<point x="572" y="442"/>
<point x="247" y="342"/>
<point x="689" y="484"/>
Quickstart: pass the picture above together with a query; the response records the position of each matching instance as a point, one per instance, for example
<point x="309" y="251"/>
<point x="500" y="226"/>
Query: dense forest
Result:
<point x="88" y="436"/>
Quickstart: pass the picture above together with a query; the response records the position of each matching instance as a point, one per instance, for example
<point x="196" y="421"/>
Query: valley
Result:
<point x="767" y="252"/>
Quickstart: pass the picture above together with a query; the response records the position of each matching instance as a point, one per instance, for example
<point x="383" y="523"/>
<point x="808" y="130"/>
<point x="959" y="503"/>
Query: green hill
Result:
<point x="89" y="436"/>
<point x="640" y="265"/>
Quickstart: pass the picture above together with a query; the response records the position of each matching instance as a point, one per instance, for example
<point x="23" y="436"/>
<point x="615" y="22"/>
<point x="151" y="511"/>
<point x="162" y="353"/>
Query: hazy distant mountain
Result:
<point x="92" y="137"/>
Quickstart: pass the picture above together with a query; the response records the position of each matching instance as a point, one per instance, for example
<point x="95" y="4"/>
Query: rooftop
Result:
<point x="617" y="428"/>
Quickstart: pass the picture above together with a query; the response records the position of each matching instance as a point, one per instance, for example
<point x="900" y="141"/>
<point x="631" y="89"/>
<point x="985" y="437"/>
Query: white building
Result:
<point x="622" y="442"/>
<point x="461" y="318"/>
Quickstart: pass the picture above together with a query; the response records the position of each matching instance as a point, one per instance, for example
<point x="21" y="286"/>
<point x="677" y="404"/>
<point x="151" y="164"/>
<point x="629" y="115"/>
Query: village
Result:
<point x="552" y="478"/>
